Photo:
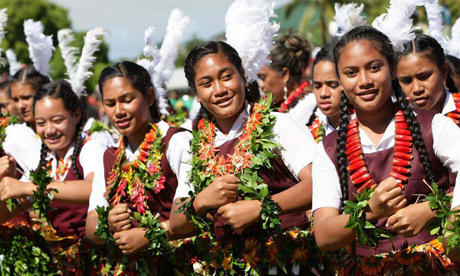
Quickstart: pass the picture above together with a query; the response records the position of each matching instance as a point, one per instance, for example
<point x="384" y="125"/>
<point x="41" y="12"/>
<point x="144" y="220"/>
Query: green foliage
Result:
<point x="185" y="49"/>
<point x="440" y="203"/>
<point x="366" y="232"/>
<point x="452" y="231"/>
<point x="54" y="18"/>
<point x="158" y="242"/>
<point x="43" y="195"/>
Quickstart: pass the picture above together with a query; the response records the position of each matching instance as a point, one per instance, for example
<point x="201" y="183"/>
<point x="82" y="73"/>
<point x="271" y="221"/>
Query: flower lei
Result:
<point x="6" y="120"/>
<point x="366" y="232"/>
<point x="128" y="182"/>
<point x="455" y="115"/>
<point x="252" y="153"/>
<point x="317" y="130"/>
<point x="286" y="105"/>
<point x="177" y="118"/>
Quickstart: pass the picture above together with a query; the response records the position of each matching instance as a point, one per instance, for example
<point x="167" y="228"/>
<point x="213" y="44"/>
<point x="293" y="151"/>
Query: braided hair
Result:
<point x="62" y="90"/>
<point x="430" y="48"/>
<point x="214" y="47"/>
<point x="383" y="45"/>
<point x="30" y="75"/>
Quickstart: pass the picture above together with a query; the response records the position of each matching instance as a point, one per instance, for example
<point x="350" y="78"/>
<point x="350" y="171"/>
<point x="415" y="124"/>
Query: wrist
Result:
<point x="199" y="206"/>
<point x="28" y="189"/>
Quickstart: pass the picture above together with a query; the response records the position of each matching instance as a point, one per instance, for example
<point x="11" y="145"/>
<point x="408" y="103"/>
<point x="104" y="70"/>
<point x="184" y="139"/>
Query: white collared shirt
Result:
<point x="297" y="144"/>
<point x="449" y="103"/>
<point x="176" y="154"/>
<point x="326" y="185"/>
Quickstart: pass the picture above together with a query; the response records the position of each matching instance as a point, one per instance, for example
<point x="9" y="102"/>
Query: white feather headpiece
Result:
<point x="164" y="69"/>
<point x="69" y="53"/>
<point x="453" y="47"/>
<point x="40" y="46"/>
<point x="397" y="22"/>
<point x="348" y="16"/>
<point x="433" y="11"/>
<point x="3" y="20"/>
<point x="93" y="40"/>
<point x="13" y="61"/>
<point x="250" y="31"/>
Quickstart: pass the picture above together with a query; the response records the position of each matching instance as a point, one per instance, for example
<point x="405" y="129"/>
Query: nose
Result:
<point x="324" y="92"/>
<point x="364" y="80"/>
<point x="119" y="110"/>
<point x="219" y="89"/>
<point x="22" y="104"/>
<point x="260" y="83"/>
<point x="418" y="88"/>
<point x="49" y="130"/>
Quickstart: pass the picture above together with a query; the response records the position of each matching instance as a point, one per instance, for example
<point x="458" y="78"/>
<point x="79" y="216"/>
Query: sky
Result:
<point x="127" y="20"/>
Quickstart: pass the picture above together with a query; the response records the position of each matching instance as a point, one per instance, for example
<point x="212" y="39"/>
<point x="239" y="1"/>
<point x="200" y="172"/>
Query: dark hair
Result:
<point x="5" y="87"/>
<point x="138" y="76"/>
<point x="454" y="68"/>
<point x="214" y="47"/>
<point x="293" y="51"/>
<point x="62" y="90"/>
<point x="383" y="45"/>
<point x="325" y="54"/>
<point x="30" y="75"/>
<point x="430" y="48"/>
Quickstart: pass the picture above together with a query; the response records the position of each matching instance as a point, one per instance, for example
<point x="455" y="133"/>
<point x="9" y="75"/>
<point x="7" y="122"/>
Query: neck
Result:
<point x="225" y="124"/>
<point x="60" y="154"/>
<point x="334" y="121"/>
<point x="437" y="108"/>
<point x="135" y="140"/>
<point x="377" y="120"/>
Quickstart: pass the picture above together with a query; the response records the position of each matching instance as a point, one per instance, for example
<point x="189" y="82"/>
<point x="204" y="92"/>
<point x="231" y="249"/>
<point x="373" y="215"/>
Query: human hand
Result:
<point x="386" y="199"/>
<point x="7" y="166"/>
<point x="241" y="214"/>
<point x="119" y="218"/>
<point x="131" y="241"/>
<point x="12" y="188"/>
<point x="410" y="220"/>
<point x="220" y="192"/>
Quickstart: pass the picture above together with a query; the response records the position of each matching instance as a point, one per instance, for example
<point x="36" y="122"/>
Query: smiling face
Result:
<point x="365" y="75"/>
<point x="56" y="125"/>
<point x="220" y="87"/>
<point x="23" y="96"/>
<point x="422" y="81"/>
<point x="327" y="88"/>
<point x="126" y="107"/>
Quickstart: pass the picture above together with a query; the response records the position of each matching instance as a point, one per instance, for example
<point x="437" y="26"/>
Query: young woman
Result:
<point x="24" y="85"/>
<point x="454" y="70"/>
<point x="327" y="90"/>
<point x="58" y="116"/>
<point x="152" y="154"/>
<point x="221" y="164"/>
<point x="362" y="154"/>
<point x="423" y="73"/>
<point x="6" y="101"/>
<point x="283" y="77"/>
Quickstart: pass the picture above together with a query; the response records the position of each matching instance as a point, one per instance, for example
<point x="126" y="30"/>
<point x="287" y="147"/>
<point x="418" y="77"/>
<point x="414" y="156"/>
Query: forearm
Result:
<point x="90" y="228"/>
<point x="74" y="192"/>
<point x="179" y="223"/>
<point x="330" y="233"/>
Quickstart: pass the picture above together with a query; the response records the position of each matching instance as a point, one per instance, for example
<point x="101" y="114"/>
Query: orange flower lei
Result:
<point x="455" y="115"/>
<point x="128" y="180"/>
<point x="317" y="130"/>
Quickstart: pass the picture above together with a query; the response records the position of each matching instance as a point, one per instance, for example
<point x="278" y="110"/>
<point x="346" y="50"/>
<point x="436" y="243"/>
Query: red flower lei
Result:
<point x="455" y="115"/>
<point x="285" y="106"/>
<point x="128" y="181"/>
<point x="359" y="172"/>
<point x="317" y="130"/>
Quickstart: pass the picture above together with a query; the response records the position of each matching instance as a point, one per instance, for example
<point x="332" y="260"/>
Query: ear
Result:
<point x="286" y="74"/>
<point x="78" y="114"/>
<point x="393" y="72"/>
<point x="150" y="96"/>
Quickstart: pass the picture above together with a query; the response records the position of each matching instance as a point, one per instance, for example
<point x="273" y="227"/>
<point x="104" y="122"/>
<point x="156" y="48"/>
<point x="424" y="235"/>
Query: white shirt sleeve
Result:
<point x="297" y="143"/>
<point x="446" y="147"/>
<point x="178" y="156"/>
<point x="98" y="187"/>
<point x="326" y="183"/>
<point x="90" y="156"/>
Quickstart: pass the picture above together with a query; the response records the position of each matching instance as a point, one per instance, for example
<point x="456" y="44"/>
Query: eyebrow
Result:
<point x="367" y="64"/>
<point x="220" y="72"/>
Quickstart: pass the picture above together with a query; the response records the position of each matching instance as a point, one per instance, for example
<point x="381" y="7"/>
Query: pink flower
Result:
<point x="152" y="169"/>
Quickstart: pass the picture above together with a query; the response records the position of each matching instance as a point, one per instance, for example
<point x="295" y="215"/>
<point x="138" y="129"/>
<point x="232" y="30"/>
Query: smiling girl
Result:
<point x="140" y="173"/>
<point x="224" y="165"/>
<point x="385" y="148"/>
<point x="58" y="114"/>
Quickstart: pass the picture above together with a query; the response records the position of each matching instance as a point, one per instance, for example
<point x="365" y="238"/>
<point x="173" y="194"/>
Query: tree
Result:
<point x="185" y="48"/>
<point x="53" y="18"/>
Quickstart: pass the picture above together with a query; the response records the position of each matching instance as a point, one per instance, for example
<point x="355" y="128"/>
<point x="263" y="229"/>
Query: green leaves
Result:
<point x="366" y="233"/>
<point x="43" y="195"/>
<point x="158" y="242"/>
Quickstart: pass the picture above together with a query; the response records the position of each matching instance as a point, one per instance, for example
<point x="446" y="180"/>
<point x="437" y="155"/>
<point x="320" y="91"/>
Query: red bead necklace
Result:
<point x="285" y="106"/>
<point x="357" y="167"/>
<point x="455" y="115"/>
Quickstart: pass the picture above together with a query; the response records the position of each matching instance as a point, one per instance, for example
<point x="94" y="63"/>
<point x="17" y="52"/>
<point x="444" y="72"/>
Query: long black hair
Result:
<point x="63" y="91"/>
<point x="139" y="77"/>
<point x="430" y="48"/>
<point x="214" y="47"/>
<point x="383" y="45"/>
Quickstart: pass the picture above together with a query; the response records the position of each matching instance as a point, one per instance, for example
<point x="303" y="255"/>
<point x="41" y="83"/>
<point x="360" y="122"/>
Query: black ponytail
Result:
<point x="342" y="158"/>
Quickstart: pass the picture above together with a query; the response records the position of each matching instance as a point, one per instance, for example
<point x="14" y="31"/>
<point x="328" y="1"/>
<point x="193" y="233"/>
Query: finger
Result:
<point x="231" y="186"/>
<point x="395" y="202"/>
<point x="120" y="225"/>
<point x="401" y="204"/>
<point x="221" y="210"/>
<point x="121" y="217"/>
<point x="393" y="193"/>
<point x="392" y="220"/>
<point x="389" y="183"/>
<point x="230" y="178"/>
<point x="126" y="227"/>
